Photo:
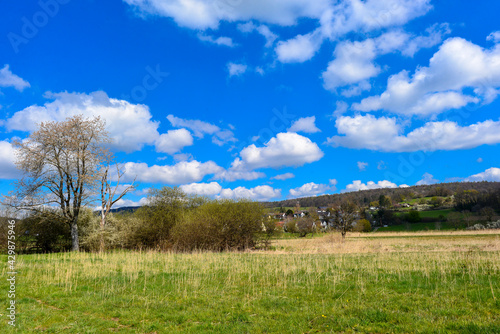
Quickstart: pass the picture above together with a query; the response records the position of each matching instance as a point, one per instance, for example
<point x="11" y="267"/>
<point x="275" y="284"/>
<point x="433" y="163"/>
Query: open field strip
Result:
<point x="380" y="242"/>
<point x="373" y="283"/>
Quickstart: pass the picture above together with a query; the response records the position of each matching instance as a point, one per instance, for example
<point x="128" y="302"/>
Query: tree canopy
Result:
<point x="61" y="162"/>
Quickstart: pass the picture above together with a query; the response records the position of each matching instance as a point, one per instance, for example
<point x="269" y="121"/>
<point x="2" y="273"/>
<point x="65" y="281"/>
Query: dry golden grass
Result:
<point x="425" y="233"/>
<point x="332" y="243"/>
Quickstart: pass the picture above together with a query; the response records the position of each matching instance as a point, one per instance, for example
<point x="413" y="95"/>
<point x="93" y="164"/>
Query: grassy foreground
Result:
<point x="373" y="283"/>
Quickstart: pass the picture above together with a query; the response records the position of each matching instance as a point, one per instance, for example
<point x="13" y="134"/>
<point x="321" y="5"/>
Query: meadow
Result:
<point x="425" y="282"/>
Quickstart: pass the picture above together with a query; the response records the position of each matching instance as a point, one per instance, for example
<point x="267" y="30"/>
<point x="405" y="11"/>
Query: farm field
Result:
<point x="432" y="282"/>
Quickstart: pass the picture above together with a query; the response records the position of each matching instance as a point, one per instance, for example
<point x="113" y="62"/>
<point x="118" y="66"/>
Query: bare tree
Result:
<point x="108" y="199"/>
<point x="60" y="164"/>
<point x="344" y="216"/>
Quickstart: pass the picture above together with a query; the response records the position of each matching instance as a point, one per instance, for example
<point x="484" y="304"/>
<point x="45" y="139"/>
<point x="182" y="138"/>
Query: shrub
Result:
<point x="270" y="228"/>
<point x="219" y="225"/>
<point x="115" y="234"/>
<point x="166" y="208"/>
<point x="305" y="225"/>
<point x="44" y="232"/>
<point x="413" y="216"/>
<point x="387" y="217"/>
<point x="436" y="201"/>
<point x="363" y="225"/>
<point x="291" y="226"/>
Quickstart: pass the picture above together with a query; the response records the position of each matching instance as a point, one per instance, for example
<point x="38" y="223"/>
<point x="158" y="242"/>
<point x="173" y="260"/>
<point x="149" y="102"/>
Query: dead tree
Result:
<point x="108" y="199"/>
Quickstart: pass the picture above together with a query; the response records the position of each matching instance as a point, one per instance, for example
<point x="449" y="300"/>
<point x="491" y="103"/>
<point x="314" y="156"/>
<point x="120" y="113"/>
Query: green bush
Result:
<point x="219" y="225"/>
<point x="413" y="216"/>
<point x="363" y="225"/>
<point x="436" y="201"/>
<point x="291" y="226"/>
<point x="43" y="232"/>
<point x="167" y="207"/>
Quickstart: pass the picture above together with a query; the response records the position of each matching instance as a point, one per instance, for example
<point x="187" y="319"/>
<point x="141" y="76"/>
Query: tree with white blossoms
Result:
<point x="64" y="164"/>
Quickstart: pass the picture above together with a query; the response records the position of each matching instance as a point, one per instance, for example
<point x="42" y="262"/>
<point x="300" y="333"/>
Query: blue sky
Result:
<point x="262" y="99"/>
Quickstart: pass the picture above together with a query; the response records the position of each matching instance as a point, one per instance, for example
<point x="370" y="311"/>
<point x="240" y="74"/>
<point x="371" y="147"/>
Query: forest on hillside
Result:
<point x="364" y="197"/>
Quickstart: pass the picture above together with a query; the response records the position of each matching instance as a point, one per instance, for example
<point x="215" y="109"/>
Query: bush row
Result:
<point x="172" y="220"/>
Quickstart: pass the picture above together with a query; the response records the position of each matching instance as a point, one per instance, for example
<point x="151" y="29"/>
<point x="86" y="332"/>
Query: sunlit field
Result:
<point x="429" y="282"/>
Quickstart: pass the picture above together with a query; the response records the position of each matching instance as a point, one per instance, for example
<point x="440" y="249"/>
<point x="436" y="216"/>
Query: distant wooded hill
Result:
<point x="364" y="197"/>
<point x="124" y="209"/>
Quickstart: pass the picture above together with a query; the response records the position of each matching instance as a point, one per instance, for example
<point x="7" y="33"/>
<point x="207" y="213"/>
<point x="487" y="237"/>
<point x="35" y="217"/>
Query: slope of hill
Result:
<point x="364" y="197"/>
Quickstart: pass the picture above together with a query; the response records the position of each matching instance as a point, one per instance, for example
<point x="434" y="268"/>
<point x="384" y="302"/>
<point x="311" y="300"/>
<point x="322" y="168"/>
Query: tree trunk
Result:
<point x="75" y="243"/>
<point x="101" y="237"/>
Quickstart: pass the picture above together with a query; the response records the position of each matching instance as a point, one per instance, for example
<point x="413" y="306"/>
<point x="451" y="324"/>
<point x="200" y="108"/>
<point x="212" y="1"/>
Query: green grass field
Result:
<point x="382" y="283"/>
<point x="429" y="213"/>
<point x="435" y="213"/>
<point x="416" y="200"/>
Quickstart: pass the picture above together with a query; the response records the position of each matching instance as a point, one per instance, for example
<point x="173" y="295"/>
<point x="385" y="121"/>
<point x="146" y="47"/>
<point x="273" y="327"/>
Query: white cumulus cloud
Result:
<point x="262" y="29"/>
<point x="234" y="174"/>
<point x="181" y="173"/>
<point x="298" y="49"/>
<point x="338" y="19"/>
<point x="235" y="69"/>
<point x="494" y="37"/>
<point x="283" y="177"/>
<point x="458" y="64"/>
<point x="221" y="40"/>
<point x="8" y="169"/>
<point x="370" y="15"/>
<point x="334" y="19"/>
<point x="491" y="174"/>
<point x="199" y="128"/>
<point x="202" y="189"/>
<point x="202" y="128"/>
<point x="286" y="149"/>
<point x="204" y="14"/>
<point x="305" y="124"/>
<point x="358" y="185"/>
<point x="173" y="141"/>
<point x="9" y="79"/>
<point x="354" y="62"/>
<point x="309" y="189"/>
<point x="385" y="134"/>
<point x="259" y="193"/>
<point x="123" y="202"/>
<point x="130" y="125"/>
